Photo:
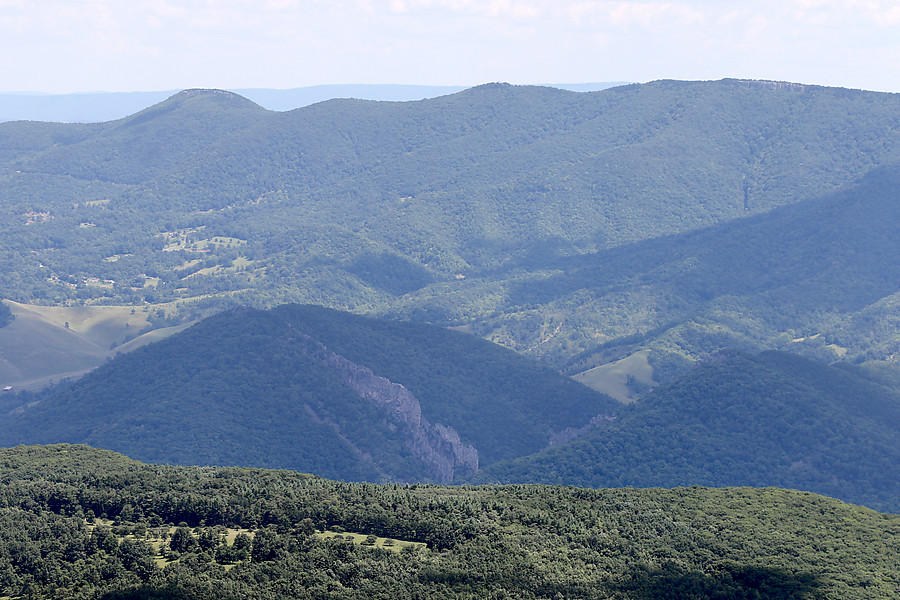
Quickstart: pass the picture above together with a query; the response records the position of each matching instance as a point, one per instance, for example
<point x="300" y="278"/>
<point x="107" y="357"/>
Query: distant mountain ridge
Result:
<point x="644" y="226"/>
<point x="97" y="107"/>
<point x="508" y="210"/>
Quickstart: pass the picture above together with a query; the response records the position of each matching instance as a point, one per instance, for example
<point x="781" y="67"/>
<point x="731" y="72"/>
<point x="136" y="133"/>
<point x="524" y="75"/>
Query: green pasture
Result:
<point x="370" y="540"/>
<point x="623" y="379"/>
<point x="44" y="344"/>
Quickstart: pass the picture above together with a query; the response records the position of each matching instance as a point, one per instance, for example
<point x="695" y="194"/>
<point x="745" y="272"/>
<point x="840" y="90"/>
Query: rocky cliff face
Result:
<point x="436" y="445"/>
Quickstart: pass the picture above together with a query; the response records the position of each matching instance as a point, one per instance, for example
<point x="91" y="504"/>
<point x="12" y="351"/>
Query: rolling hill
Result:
<point x="41" y="345"/>
<point x="313" y="389"/>
<point x="772" y="419"/>
<point x="448" y="210"/>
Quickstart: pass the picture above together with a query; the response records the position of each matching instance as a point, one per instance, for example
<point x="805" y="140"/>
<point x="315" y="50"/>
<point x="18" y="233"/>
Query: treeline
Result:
<point x="485" y="542"/>
<point x="6" y="316"/>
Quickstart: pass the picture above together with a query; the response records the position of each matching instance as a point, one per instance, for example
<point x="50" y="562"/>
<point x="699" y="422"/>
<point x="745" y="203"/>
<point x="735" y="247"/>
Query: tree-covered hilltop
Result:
<point x="81" y="523"/>
<point x="770" y="419"/>
<point x="356" y="398"/>
<point x="439" y="210"/>
<point x="313" y="389"/>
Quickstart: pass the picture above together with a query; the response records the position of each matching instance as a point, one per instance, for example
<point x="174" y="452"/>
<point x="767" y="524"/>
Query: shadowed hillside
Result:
<point x="314" y="389"/>
<point x="818" y="277"/>
<point x="772" y="419"/>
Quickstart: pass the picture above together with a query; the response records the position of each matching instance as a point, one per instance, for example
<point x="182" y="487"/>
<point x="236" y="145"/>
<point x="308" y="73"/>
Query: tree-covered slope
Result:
<point x="484" y="542"/>
<point x="772" y="419"/>
<point x="152" y="142"/>
<point x="820" y="276"/>
<point x="317" y="390"/>
<point x="379" y="207"/>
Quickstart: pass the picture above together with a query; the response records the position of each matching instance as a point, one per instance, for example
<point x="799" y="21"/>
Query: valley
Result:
<point x="514" y="341"/>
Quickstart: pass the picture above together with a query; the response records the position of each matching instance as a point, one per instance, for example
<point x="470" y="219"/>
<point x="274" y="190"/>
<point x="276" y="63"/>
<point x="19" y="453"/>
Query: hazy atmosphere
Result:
<point x="62" y="46"/>
<point x="431" y="299"/>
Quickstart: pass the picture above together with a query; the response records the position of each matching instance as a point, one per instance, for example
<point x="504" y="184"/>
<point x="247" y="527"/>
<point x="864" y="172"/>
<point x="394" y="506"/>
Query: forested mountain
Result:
<point x="97" y="107"/>
<point x="313" y="389"/>
<point x="819" y="277"/>
<point x="87" y="524"/>
<point x="454" y="210"/>
<point x="106" y="106"/>
<point x="640" y="228"/>
<point x="357" y="398"/>
<point x="773" y="419"/>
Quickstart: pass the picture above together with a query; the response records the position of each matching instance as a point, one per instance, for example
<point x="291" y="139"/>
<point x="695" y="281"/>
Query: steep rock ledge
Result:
<point x="436" y="445"/>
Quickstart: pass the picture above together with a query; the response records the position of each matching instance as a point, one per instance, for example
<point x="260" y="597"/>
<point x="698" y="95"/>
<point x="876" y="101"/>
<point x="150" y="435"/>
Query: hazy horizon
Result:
<point x="94" y="107"/>
<point x="115" y="46"/>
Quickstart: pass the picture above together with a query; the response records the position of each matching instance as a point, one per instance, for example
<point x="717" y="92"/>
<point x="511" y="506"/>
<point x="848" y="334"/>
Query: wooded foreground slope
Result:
<point x="483" y="542"/>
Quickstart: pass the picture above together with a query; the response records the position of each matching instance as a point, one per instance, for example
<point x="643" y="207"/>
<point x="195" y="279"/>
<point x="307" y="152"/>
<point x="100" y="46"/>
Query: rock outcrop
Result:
<point x="436" y="445"/>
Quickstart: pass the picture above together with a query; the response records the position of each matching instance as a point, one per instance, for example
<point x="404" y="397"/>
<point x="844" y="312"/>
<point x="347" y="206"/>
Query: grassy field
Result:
<point x="191" y="240"/>
<point x="371" y="540"/>
<point x="45" y="344"/>
<point x="157" y="538"/>
<point x="622" y="379"/>
<point x="99" y="325"/>
<point x="237" y="264"/>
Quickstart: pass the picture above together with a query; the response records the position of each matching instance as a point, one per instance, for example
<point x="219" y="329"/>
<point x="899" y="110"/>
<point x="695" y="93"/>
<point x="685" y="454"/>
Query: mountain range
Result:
<point x="466" y="209"/>
<point x="98" y="107"/>
<point x="720" y="257"/>
<point x="356" y="398"/>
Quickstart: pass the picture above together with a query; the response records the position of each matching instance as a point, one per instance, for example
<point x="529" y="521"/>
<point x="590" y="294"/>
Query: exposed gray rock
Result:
<point x="436" y="445"/>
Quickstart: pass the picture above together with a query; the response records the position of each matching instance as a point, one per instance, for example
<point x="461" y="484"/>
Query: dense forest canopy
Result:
<point x="736" y="419"/>
<point x="82" y="523"/>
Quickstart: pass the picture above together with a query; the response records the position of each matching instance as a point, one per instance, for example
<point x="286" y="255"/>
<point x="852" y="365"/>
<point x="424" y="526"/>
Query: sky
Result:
<point x="63" y="46"/>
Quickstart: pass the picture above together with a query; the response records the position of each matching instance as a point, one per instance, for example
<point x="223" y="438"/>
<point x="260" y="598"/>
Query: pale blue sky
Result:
<point x="137" y="45"/>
